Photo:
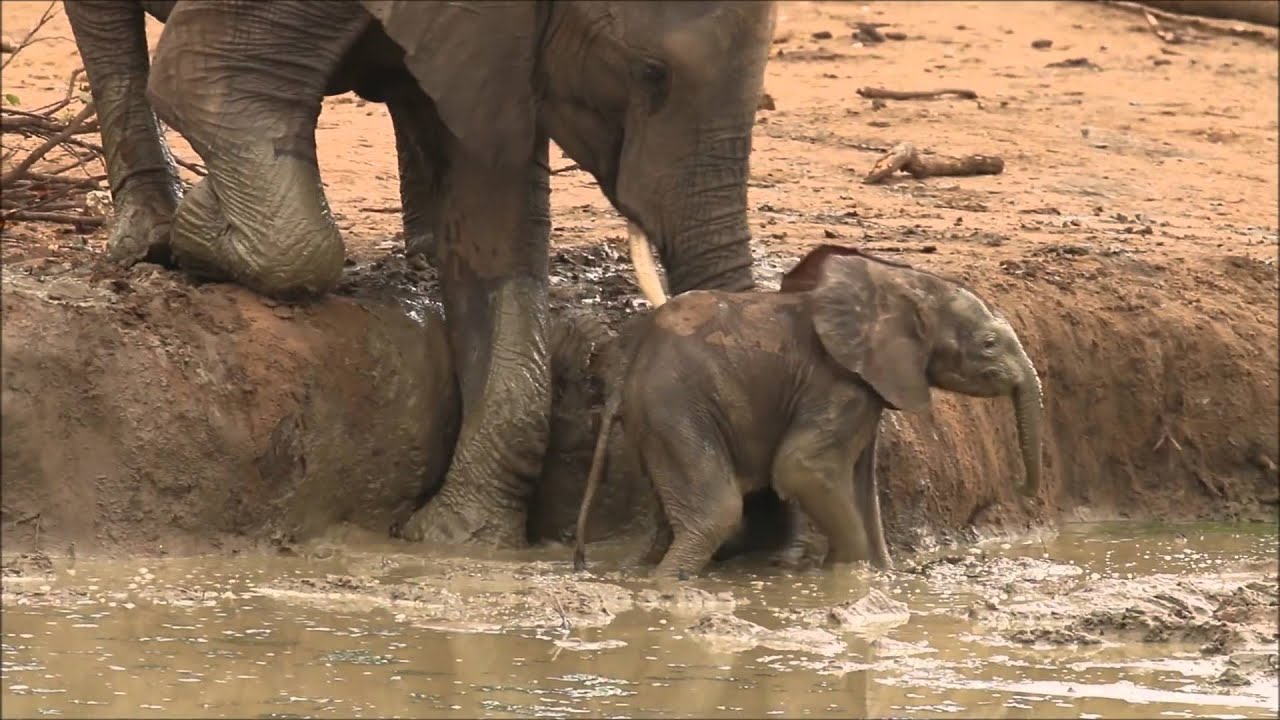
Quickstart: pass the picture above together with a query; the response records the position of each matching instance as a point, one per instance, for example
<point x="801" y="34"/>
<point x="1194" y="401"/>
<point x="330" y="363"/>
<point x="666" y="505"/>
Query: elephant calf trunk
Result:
<point x="1027" y="404"/>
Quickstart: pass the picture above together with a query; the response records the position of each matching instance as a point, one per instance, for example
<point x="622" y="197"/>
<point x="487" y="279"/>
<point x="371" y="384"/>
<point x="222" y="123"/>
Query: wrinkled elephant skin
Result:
<point x="726" y="394"/>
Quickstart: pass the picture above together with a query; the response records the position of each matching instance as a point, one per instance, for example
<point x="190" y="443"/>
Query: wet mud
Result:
<point x="1176" y="621"/>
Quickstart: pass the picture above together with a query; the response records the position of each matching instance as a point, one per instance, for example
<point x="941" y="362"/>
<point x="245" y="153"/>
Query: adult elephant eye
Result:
<point x="654" y="73"/>
<point x="656" y="79"/>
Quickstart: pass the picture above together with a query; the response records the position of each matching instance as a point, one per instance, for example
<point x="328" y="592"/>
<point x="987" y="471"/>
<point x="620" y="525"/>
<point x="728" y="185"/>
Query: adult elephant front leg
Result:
<point x="243" y="81"/>
<point x="112" y="39"/>
<point x="418" y="196"/>
<point x="493" y="238"/>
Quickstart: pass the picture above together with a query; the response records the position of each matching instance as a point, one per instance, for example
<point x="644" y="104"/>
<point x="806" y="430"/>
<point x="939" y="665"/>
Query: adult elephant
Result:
<point x="655" y="99"/>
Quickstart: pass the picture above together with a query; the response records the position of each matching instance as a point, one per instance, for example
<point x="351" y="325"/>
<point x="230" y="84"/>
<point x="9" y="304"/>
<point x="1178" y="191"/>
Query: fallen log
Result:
<point x="1261" y="12"/>
<point x="905" y="157"/>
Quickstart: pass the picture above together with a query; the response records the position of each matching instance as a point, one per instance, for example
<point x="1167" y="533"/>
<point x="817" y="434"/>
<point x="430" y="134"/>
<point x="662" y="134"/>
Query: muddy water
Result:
<point x="1097" y="622"/>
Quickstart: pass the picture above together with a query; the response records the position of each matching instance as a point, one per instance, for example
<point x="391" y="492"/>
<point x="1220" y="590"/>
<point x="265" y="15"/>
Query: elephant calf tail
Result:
<point x="598" y="462"/>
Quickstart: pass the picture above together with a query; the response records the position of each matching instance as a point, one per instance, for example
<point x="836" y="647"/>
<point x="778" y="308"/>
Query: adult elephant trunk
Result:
<point x="1028" y="406"/>
<point x="701" y="231"/>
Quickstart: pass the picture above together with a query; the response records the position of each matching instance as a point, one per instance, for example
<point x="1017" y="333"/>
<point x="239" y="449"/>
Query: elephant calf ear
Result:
<point x="807" y="273"/>
<point x="868" y="321"/>
<point x="476" y="62"/>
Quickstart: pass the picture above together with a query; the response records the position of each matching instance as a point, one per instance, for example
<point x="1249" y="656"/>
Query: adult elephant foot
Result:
<point x="260" y="218"/>
<point x="141" y="231"/>
<point x="441" y="523"/>
<point x="224" y="230"/>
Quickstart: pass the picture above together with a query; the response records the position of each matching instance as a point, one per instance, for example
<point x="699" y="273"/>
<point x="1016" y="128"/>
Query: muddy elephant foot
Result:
<point x="140" y="233"/>
<point x="807" y="549"/>
<point x="421" y="244"/>
<point x="295" y="252"/>
<point x="796" y="558"/>
<point x="439" y="524"/>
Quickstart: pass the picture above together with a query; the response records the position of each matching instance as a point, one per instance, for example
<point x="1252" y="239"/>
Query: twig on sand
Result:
<point x="1166" y="435"/>
<point x="58" y="193"/>
<point x="887" y="94"/>
<point x="905" y="157"/>
<point x="30" y="39"/>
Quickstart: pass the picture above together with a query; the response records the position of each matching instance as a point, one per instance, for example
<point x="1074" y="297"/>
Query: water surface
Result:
<point x="195" y="637"/>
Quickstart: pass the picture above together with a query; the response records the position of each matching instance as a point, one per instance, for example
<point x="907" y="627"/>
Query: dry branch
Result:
<point x="53" y="182"/>
<point x="887" y="94"/>
<point x="905" y="157"/>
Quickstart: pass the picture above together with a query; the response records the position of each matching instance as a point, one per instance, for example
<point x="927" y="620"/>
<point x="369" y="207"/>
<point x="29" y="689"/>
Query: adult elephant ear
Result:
<point x="869" y="321"/>
<point x="476" y="62"/>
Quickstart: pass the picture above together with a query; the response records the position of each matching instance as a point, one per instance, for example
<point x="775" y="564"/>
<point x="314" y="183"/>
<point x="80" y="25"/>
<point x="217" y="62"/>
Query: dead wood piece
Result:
<point x="893" y="161"/>
<point x="1259" y="12"/>
<point x="54" y="217"/>
<point x="1169" y="36"/>
<point x="887" y="94"/>
<point x="1263" y="32"/>
<point x="905" y="157"/>
<point x="18" y="172"/>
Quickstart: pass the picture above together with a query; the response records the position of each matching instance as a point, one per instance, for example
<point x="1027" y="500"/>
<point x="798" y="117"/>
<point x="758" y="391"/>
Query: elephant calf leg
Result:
<point x="817" y="476"/>
<point x="702" y="501"/>
<point x="866" y="490"/>
<point x="806" y="546"/>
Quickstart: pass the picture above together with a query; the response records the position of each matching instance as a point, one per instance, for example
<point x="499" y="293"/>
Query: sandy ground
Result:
<point x="1134" y="223"/>
<point x="1149" y="149"/>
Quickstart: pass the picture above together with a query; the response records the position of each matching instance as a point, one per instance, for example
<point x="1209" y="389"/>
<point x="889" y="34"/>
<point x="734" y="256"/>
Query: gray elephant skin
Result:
<point x="655" y="99"/>
<point x="726" y="394"/>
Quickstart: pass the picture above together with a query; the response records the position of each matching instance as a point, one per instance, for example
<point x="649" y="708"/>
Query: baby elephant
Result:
<point x="727" y="393"/>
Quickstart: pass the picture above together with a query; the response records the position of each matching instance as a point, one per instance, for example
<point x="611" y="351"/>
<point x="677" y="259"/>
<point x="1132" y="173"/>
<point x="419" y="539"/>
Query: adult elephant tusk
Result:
<point x="646" y="267"/>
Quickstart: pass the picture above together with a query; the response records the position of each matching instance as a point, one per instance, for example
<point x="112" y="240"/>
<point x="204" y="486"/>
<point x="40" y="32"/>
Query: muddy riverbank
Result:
<point x="1108" y="620"/>
<point x="148" y="414"/>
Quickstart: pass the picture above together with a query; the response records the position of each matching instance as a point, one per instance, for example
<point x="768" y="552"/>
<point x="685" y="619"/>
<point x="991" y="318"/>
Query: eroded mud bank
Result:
<point x="140" y="410"/>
